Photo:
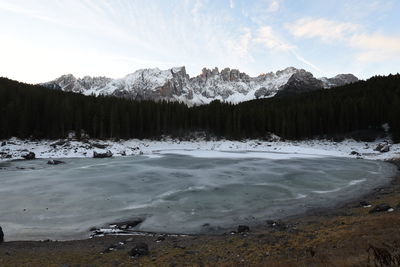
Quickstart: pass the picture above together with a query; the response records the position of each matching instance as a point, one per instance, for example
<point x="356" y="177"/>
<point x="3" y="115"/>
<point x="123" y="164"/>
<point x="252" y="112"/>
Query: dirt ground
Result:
<point x="345" y="236"/>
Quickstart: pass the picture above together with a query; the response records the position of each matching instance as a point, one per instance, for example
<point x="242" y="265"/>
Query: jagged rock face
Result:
<point x="339" y="80"/>
<point x="300" y="82"/>
<point x="228" y="85"/>
<point x="69" y="83"/>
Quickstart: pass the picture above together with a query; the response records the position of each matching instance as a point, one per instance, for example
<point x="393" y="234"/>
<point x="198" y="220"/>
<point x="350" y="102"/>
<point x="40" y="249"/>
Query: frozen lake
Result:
<point x="175" y="193"/>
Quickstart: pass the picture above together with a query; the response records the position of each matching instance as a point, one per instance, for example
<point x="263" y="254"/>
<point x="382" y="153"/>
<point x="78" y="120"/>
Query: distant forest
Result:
<point x="30" y="111"/>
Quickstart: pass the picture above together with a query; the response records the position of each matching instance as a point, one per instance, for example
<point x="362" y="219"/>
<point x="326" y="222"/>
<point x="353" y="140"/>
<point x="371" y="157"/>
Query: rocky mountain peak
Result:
<point x="300" y="81"/>
<point x="175" y="84"/>
<point x="339" y="80"/>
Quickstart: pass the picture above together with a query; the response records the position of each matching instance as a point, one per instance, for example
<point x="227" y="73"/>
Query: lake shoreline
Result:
<point x="15" y="148"/>
<point x="341" y="236"/>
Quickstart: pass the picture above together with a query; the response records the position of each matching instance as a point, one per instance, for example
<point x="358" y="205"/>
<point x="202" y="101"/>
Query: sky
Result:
<point x="41" y="40"/>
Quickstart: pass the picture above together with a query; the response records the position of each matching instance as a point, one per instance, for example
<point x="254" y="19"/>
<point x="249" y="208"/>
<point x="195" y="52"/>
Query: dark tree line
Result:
<point x="33" y="111"/>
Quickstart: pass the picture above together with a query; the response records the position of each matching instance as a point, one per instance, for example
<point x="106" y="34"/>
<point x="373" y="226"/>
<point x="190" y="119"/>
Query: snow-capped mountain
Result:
<point x="229" y="85"/>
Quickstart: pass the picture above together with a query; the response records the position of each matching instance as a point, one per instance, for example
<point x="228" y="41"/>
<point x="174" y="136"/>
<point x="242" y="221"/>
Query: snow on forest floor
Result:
<point x="15" y="148"/>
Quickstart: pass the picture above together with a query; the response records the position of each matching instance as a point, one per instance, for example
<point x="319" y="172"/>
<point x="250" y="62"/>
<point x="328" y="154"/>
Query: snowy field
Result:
<point x="15" y="148"/>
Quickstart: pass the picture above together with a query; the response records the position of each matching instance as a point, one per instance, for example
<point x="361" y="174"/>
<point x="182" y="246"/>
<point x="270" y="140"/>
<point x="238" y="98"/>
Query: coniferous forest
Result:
<point x="30" y="111"/>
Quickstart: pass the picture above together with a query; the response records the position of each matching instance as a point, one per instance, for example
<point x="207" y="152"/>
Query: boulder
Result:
<point x="114" y="247"/>
<point x="365" y="204"/>
<point x="128" y="224"/>
<point x="379" y="147"/>
<point x="29" y="156"/>
<point x="1" y="235"/>
<point x="355" y="153"/>
<point x="277" y="225"/>
<point x="3" y="143"/>
<point x="139" y="249"/>
<point x="382" y="147"/>
<point x="380" y="208"/>
<point x="55" y="162"/>
<point x="243" y="229"/>
<point x="385" y="148"/>
<point x="108" y="154"/>
<point x="160" y="238"/>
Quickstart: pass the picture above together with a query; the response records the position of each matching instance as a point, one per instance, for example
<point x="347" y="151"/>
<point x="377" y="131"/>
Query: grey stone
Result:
<point x="243" y="229"/>
<point x="29" y="156"/>
<point x="380" y="208"/>
<point x="139" y="249"/>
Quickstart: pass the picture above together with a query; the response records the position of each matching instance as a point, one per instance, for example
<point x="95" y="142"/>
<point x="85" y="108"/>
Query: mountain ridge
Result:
<point x="228" y="85"/>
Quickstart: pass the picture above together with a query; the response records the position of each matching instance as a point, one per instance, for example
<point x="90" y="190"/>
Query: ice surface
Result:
<point x="174" y="193"/>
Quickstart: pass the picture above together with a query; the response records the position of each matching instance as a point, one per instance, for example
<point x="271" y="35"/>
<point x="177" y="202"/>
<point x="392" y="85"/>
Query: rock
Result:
<point x="140" y="249"/>
<point x="109" y="249"/>
<point x="365" y="204"/>
<point x="1" y="235"/>
<point x="108" y="154"/>
<point x="128" y="224"/>
<point x="379" y="147"/>
<point x="29" y="156"/>
<point x="160" y="238"/>
<point x="382" y="147"/>
<point x="3" y="143"/>
<point x="278" y="225"/>
<point x="243" y="228"/>
<point x="381" y="208"/>
<point x="385" y="149"/>
<point x="355" y="153"/>
<point x="113" y="247"/>
<point x="55" y="162"/>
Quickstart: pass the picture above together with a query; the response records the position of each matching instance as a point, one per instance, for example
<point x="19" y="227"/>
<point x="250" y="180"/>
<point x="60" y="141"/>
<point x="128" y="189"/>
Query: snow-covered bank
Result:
<point x="15" y="148"/>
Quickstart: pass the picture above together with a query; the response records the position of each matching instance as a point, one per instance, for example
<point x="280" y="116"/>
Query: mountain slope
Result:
<point x="229" y="85"/>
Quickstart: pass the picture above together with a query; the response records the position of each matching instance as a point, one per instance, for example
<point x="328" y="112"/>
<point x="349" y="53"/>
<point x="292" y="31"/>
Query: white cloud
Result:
<point x="274" y="5"/>
<point x="241" y="47"/>
<point x="197" y="7"/>
<point x="305" y="61"/>
<point x="267" y="37"/>
<point x="231" y="3"/>
<point x="375" y="47"/>
<point x="370" y="46"/>
<point x="327" y="30"/>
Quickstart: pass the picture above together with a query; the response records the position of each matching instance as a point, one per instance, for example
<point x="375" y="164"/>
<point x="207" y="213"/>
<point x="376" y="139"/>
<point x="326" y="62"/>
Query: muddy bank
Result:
<point x="348" y="235"/>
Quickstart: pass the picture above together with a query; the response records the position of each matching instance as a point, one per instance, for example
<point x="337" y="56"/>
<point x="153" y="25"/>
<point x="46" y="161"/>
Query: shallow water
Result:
<point x="174" y="193"/>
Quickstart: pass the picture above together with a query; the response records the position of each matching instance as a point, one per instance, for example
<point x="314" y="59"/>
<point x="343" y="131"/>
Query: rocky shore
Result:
<point x="363" y="232"/>
<point x="15" y="148"/>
